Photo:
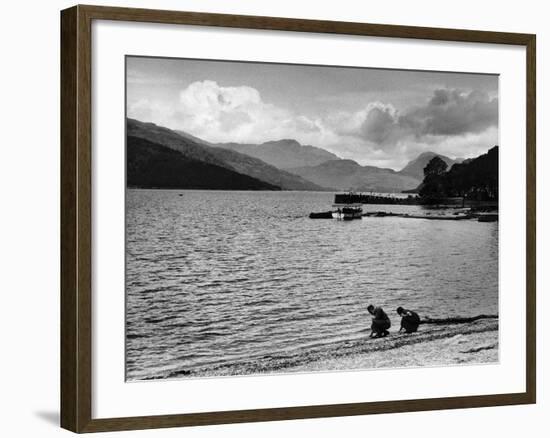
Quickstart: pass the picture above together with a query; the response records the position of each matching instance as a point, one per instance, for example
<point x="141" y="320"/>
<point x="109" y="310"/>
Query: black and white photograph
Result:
<point x="286" y="218"/>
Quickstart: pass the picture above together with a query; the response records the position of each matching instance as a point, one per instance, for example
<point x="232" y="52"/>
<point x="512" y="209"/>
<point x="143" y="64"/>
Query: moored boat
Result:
<point x="321" y="215"/>
<point x="348" y="212"/>
<point x="344" y="209"/>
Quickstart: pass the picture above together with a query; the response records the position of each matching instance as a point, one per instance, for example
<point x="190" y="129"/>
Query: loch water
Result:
<point x="228" y="282"/>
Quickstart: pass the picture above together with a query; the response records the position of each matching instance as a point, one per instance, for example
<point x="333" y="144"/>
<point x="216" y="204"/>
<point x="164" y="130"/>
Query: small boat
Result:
<point x="348" y="212"/>
<point x="344" y="209"/>
<point x="321" y="215"/>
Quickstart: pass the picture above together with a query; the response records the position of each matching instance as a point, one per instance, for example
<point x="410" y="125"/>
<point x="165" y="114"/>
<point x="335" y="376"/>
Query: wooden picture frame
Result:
<point x="76" y="218"/>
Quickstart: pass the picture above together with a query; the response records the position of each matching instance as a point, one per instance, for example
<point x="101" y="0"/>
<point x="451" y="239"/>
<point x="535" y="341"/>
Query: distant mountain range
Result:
<point x="161" y="157"/>
<point x="330" y="171"/>
<point x="283" y="154"/>
<point x="350" y="175"/>
<point x="216" y="158"/>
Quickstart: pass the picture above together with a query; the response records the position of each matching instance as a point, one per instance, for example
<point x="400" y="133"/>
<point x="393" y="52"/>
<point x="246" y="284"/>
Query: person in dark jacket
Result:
<point x="409" y="320"/>
<point x="380" y="322"/>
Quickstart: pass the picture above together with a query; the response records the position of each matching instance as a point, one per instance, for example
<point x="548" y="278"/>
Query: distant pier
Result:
<point x="363" y="198"/>
<point x="482" y="211"/>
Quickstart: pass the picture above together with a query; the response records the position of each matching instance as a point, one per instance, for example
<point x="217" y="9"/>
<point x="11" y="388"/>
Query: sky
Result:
<point x="377" y="117"/>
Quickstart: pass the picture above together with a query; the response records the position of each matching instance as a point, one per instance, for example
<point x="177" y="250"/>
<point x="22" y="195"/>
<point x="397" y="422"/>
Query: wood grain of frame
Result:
<point x="76" y="238"/>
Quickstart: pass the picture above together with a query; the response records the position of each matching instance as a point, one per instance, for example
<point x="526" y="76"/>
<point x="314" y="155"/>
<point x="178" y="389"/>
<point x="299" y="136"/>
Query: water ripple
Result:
<point x="215" y="280"/>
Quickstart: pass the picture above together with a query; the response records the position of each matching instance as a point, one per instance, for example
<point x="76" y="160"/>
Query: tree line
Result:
<point x="472" y="179"/>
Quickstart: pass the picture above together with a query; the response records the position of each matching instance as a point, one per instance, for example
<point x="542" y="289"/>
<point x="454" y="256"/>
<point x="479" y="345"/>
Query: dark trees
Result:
<point x="473" y="179"/>
<point x="433" y="185"/>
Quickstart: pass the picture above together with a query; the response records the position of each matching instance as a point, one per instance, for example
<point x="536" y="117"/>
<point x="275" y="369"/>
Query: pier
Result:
<point x="481" y="210"/>
<point x="369" y="198"/>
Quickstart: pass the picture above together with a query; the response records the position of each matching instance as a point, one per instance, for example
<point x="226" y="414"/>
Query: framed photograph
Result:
<point x="271" y="218"/>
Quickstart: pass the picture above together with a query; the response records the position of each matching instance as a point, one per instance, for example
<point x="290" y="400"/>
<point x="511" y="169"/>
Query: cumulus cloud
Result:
<point x="376" y="125"/>
<point x="447" y="113"/>
<point x="380" y="124"/>
<point x="231" y="114"/>
<point x="206" y="101"/>
<point x="206" y="108"/>
<point x="451" y="112"/>
<point x="451" y="121"/>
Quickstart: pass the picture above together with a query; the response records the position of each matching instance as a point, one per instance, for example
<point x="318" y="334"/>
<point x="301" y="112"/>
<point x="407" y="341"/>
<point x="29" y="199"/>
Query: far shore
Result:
<point x="228" y="190"/>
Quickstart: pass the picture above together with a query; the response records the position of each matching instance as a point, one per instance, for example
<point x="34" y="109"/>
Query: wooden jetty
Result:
<point x="483" y="211"/>
<point x="369" y="198"/>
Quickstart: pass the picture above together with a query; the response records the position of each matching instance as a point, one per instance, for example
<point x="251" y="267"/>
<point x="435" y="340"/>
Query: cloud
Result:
<point x="380" y="124"/>
<point x="452" y="112"/>
<point x="207" y="101"/>
<point x="231" y="114"/>
<point x="224" y="114"/>
<point x="376" y="125"/>
<point x="451" y="121"/>
<point x="448" y="117"/>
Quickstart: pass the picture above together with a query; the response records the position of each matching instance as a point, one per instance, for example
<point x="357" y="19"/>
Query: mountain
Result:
<point x="415" y="168"/>
<point x="240" y="163"/>
<point x="350" y="175"/>
<point x="283" y="154"/>
<point x="151" y="165"/>
<point x="192" y="137"/>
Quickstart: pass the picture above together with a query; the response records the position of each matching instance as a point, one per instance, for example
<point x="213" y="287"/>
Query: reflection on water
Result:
<point x="216" y="278"/>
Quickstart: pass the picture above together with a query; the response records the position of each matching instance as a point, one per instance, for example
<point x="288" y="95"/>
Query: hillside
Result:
<point x="476" y="178"/>
<point x="349" y="175"/>
<point x="225" y="158"/>
<point x="283" y="154"/>
<point x="150" y="165"/>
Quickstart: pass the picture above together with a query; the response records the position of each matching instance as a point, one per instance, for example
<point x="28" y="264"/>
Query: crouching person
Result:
<point x="380" y="322"/>
<point x="409" y="320"/>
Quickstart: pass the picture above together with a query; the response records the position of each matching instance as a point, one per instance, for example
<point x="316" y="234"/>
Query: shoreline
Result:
<point x="435" y="344"/>
<point x="460" y="349"/>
